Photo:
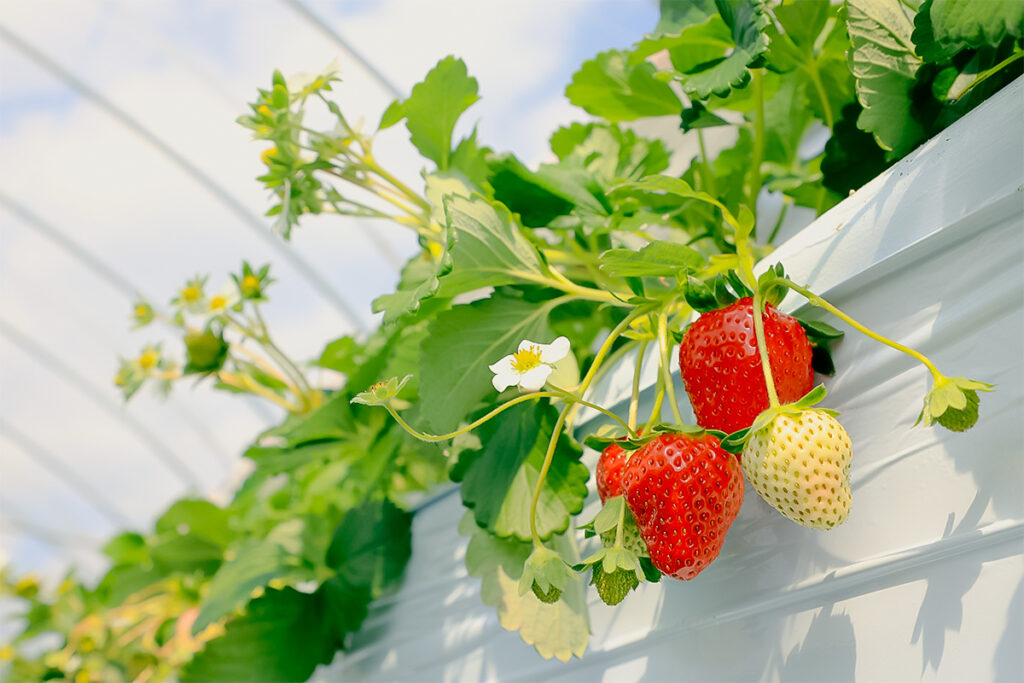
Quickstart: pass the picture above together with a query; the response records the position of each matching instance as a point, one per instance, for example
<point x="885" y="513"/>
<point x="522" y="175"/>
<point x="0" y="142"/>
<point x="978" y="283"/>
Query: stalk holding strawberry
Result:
<point x="721" y="368"/>
<point x="684" y="492"/>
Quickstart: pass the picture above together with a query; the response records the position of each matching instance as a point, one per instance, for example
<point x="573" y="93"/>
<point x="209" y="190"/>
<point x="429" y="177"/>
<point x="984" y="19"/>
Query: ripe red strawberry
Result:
<point x="609" y="472"/>
<point x="721" y="367"/>
<point x="609" y="484"/>
<point x="684" y="492"/>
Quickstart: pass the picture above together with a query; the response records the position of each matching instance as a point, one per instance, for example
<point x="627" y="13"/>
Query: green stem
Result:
<point x="286" y="363"/>
<point x="778" y="221"/>
<point x="563" y="416"/>
<point x="816" y="300"/>
<point x="434" y="438"/>
<point x="666" y="373"/>
<point x="758" y="151"/>
<point x="706" y="174"/>
<point x="571" y="397"/>
<point x="658" y="398"/>
<point x="375" y="188"/>
<point x="634" y="399"/>
<point x="548" y="457"/>
<point x="980" y="78"/>
<point x="372" y="164"/>
<point x="569" y="287"/>
<point x="762" y="349"/>
<point x="819" y="88"/>
<point x="637" y="312"/>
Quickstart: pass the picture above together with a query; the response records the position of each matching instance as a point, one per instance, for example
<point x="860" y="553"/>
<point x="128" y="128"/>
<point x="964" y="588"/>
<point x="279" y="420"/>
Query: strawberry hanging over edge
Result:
<point x="608" y="473"/>
<point x="799" y="463"/>
<point x="721" y="368"/>
<point x="684" y="491"/>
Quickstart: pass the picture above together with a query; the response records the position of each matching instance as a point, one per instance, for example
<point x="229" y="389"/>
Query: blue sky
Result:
<point x="184" y="71"/>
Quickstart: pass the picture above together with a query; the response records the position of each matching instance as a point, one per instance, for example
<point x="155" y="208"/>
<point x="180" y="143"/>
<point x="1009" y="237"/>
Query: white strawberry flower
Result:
<point x="530" y="366"/>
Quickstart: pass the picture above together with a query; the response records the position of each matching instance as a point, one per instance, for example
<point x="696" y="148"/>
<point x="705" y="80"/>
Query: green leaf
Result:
<point x="126" y="548"/>
<point x="420" y="281"/>
<point x="885" y="66"/>
<point x="186" y="552"/>
<point x="470" y="161"/>
<point x="975" y="23"/>
<point x="678" y="14"/>
<point x="820" y="330"/>
<point x="610" y="87"/>
<point x="852" y="157"/>
<point x="392" y="115"/>
<point x="697" y="117"/>
<point x="560" y="629"/>
<point x="283" y="636"/>
<point x="715" y="57"/>
<point x="372" y="545"/>
<point x="676" y="190"/>
<point x="256" y="563"/>
<point x="435" y="105"/>
<point x="655" y="259"/>
<point x="803" y="20"/>
<point x="699" y="295"/>
<point x="925" y="43"/>
<point x="499" y="483"/>
<point x="198" y="518"/>
<point x="487" y="247"/>
<point x="537" y="199"/>
<point x="609" y="153"/>
<point x="460" y="345"/>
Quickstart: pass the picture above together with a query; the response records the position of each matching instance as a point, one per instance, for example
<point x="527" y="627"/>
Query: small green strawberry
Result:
<point x="953" y="403"/>
<point x="545" y="573"/>
<point x="551" y="595"/>
<point x="616" y="571"/>
<point x="613" y="588"/>
<point x="799" y="462"/>
<point x="631" y="539"/>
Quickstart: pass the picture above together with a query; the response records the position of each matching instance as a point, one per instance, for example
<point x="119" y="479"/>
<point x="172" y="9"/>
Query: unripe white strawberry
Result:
<point x="800" y="464"/>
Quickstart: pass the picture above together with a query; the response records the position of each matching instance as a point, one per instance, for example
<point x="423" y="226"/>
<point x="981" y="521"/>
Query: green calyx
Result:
<point x="546" y="574"/>
<point x="953" y="403"/>
<point x="381" y="392"/>
<point x="734" y="443"/>
<point x="608" y="434"/>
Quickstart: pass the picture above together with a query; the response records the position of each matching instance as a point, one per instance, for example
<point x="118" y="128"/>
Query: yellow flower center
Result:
<point x="7" y="653"/>
<point x="141" y="311"/>
<point x="26" y="583"/>
<point x="264" y="109"/>
<point x="527" y="359"/>
<point x="217" y="303"/>
<point x="268" y="154"/>
<point x="191" y="294"/>
<point x="149" y="359"/>
<point x="250" y="283"/>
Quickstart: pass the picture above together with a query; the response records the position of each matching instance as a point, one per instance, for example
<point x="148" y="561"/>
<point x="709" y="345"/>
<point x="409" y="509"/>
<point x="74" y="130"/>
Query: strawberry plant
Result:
<point x="528" y="286"/>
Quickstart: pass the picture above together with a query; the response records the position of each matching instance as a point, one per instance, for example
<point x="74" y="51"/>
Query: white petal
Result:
<point x="504" y="380"/>
<point x="534" y="379"/>
<point x="504" y="365"/>
<point x="526" y="343"/>
<point x="555" y="351"/>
